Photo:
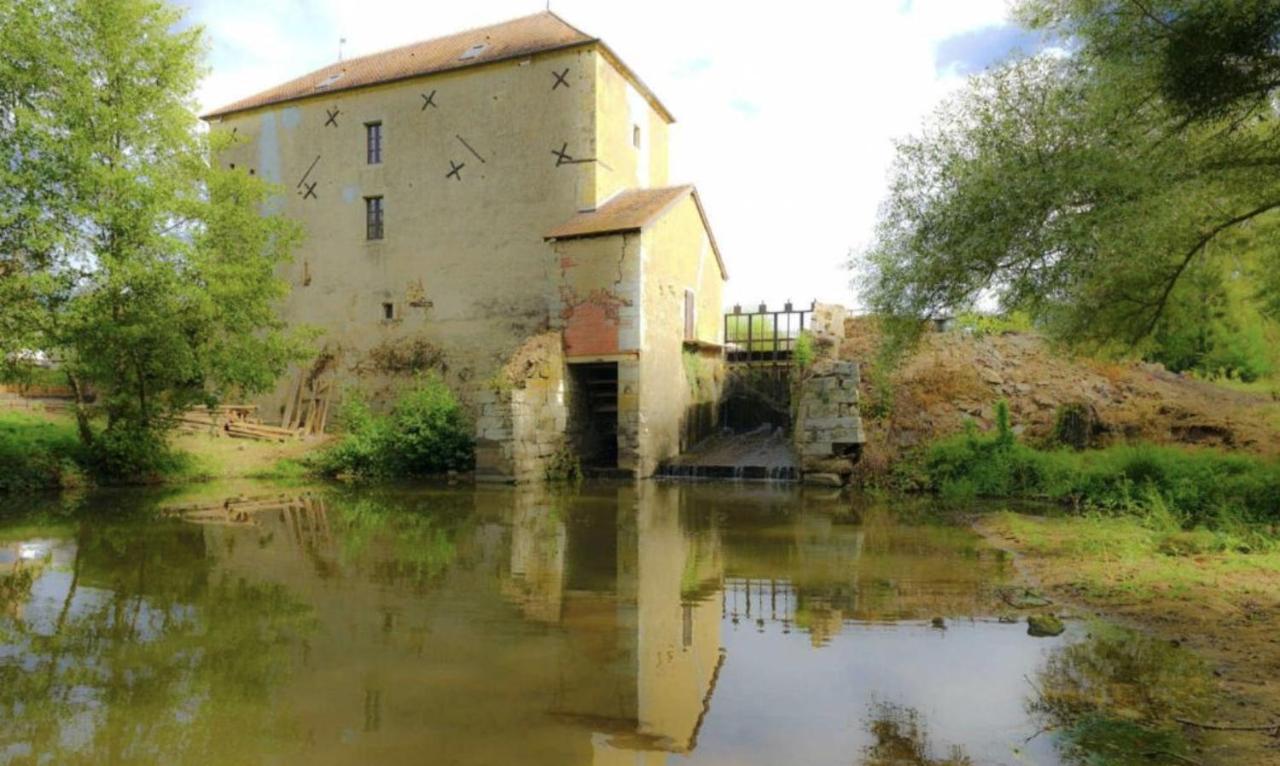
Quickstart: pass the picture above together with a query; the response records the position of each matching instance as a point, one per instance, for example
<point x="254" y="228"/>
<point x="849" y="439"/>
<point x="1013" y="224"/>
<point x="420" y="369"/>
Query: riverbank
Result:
<point x="1222" y="604"/>
<point x="41" y="451"/>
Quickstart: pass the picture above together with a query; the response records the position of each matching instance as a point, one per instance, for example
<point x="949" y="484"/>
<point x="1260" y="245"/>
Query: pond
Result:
<point x="629" y="623"/>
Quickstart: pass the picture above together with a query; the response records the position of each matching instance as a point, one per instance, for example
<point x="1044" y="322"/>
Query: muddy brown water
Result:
<point x="611" y="624"/>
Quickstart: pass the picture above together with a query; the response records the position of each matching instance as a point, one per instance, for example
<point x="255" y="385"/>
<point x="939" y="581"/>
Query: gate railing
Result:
<point x="764" y="336"/>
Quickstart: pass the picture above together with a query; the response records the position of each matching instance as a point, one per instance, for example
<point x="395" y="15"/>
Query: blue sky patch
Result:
<point x="972" y="52"/>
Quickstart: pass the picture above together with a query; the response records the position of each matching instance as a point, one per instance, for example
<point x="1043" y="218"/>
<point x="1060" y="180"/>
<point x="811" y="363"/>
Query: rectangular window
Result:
<point x="373" y="217"/>
<point x="635" y="135"/>
<point x="388" y="311"/>
<point x="690" y="319"/>
<point x="373" y="142"/>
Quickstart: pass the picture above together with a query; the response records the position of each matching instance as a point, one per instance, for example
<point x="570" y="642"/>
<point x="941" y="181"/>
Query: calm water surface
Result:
<point x="637" y="624"/>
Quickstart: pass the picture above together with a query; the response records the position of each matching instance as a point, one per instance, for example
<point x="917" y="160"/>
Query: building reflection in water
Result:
<point x="500" y="625"/>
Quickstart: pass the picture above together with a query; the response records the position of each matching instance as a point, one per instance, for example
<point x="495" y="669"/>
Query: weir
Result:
<point x="780" y="422"/>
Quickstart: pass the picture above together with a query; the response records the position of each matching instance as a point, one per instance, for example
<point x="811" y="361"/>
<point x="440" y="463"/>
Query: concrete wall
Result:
<point x="463" y="261"/>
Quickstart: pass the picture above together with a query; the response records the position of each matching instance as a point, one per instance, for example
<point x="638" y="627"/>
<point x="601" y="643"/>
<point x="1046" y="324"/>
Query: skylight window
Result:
<point x="473" y="51"/>
<point x="330" y="80"/>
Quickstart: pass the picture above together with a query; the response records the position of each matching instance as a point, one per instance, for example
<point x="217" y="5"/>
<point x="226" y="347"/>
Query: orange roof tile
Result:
<point x="633" y="210"/>
<point x="517" y="38"/>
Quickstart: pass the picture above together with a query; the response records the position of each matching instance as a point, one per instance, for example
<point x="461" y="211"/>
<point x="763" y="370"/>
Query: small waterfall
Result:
<point x="764" y="454"/>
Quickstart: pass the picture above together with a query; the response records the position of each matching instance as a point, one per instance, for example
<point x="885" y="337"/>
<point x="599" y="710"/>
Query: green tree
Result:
<point x="125" y="251"/>
<point x="1089" y="187"/>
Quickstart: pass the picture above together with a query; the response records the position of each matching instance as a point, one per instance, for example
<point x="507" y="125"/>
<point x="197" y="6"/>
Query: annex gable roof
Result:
<point x="517" y="38"/>
<point x="631" y="211"/>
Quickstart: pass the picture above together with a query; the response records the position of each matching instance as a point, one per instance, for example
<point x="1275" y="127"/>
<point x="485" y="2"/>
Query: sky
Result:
<point x="786" y="112"/>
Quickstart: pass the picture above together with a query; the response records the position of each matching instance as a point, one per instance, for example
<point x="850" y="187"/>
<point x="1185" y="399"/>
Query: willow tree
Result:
<point x="1130" y="169"/>
<point x="145" y="269"/>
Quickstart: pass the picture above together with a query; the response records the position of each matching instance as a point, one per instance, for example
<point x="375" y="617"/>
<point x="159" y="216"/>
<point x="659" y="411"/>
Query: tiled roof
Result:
<point x="630" y="211"/>
<point x="517" y="38"/>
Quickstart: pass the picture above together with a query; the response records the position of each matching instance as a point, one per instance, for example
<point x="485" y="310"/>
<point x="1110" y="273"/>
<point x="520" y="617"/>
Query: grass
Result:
<point x="38" y="452"/>
<point x="1193" y="488"/>
<point x="41" y="451"/>
<point x="1140" y="557"/>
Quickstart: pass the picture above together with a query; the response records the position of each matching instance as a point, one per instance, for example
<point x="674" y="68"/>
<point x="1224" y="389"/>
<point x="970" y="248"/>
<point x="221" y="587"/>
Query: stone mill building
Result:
<point x="494" y="206"/>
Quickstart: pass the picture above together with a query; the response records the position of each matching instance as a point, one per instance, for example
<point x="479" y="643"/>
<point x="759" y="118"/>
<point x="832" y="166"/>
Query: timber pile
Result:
<point x="307" y="409"/>
<point x="239" y="421"/>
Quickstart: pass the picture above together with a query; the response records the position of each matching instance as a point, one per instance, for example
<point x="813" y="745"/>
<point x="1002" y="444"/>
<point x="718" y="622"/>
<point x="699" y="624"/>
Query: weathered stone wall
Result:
<point x="826" y="426"/>
<point x="523" y="414"/>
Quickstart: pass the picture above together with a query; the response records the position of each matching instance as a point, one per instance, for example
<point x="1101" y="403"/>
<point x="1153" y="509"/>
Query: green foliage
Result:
<point x="126" y="252"/>
<point x="1184" y="488"/>
<point x="982" y="325"/>
<point x="36" y="453"/>
<point x="564" y="466"/>
<point x="1090" y="189"/>
<point x="804" y="352"/>
<point x="1073" y="425"/>
<point x="1214" y="328"/>
<point x="1116" y="693"/>
<point x="131" y="453"/>
<point x="426" y="433"/>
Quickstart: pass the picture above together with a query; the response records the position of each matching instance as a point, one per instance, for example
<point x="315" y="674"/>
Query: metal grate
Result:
<point x="764" y="336"/>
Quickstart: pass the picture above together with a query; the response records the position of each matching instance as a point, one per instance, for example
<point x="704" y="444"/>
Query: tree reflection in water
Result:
<point x="902" y="740"/>
<point x="142" y="656"/>
<point x="1115" y="694"/>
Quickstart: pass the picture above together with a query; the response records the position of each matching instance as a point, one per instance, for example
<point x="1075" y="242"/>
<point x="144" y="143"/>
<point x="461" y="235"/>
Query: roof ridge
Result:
<point x="521" y="36"/>
<point x="459" y="33"/>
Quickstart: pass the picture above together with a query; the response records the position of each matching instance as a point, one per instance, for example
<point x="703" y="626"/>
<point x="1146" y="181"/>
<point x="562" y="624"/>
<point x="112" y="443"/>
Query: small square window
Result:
<point x="388" y="311"/>
<point x="373" y="217"/>
<point x="635" y="136"/>
<point x="373" y="142"/>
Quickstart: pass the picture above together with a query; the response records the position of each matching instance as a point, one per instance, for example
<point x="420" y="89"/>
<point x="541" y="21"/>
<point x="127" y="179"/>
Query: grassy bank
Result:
<point x="42" y="451"/>
<point x="38" y="452"/>
<point x="1185" y="488"/>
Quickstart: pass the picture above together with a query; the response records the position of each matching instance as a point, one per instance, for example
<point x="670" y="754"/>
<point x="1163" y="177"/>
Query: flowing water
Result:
<point x="642" y="623"/>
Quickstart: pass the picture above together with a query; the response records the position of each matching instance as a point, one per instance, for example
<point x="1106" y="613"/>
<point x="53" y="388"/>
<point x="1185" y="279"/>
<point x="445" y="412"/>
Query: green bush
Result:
<point x="1193" y="487"/>
<point x="426" y="433"/>
<point x="129" y="454"/>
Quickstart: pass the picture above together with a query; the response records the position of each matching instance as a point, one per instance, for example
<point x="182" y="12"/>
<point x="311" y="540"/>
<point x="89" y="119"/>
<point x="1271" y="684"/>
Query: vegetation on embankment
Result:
<point x="1188" y="487"/>
<point x="427" y="432"/>
<point x="41" y="451"/>
<point x="38" y="452"/>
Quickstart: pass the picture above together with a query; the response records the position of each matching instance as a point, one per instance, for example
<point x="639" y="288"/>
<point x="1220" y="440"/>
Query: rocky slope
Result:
<point x="956" y="375"/>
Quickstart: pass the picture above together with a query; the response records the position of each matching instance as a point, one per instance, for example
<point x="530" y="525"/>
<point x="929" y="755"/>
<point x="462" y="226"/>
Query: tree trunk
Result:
<point x="82" y="417"/>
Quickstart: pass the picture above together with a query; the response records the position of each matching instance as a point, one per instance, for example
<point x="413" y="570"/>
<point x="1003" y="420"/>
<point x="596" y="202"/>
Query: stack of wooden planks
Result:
<point x="245" y="430"/>
<point x="238" y="421"/>
<point x="308" y="408"/>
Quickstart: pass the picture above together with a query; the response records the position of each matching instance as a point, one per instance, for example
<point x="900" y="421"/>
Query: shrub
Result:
<point x="804" y="352"/>
<point x="131" y="454"/>
<point x="426" y="433"/>
<point x="1186" y="488"/>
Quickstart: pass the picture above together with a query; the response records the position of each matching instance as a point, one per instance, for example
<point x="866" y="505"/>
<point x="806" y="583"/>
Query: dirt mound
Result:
<point x="957" y="375"/>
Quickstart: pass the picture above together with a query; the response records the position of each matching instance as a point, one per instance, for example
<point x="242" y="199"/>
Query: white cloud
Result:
<point x="786" y="112"/>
